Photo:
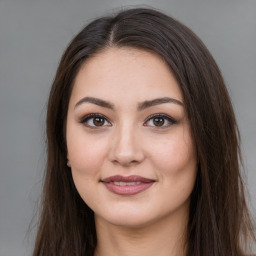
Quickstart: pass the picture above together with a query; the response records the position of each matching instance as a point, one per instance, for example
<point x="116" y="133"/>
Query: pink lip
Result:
<point x="137" y="184"/>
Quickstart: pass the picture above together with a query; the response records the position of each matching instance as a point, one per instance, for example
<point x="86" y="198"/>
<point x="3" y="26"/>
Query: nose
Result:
<point x="126" y="147"/>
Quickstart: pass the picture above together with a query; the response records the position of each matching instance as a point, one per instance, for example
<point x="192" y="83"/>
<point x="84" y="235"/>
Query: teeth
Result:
<point x="122" y="183"/>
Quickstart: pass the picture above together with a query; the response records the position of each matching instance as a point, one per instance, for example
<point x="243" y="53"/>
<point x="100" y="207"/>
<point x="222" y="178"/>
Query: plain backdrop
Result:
<point x="34" y="34"/>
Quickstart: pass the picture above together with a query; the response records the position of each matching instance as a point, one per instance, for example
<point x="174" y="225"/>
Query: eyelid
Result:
<point x="166" y="117"/>
<point x="170" y="119"/>
<point x="87" y="117"/>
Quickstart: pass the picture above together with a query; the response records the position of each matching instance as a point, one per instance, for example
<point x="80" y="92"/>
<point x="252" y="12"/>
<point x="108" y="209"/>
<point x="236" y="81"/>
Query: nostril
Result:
<point x="126" y="160"/>
<point x="125" y="148"/>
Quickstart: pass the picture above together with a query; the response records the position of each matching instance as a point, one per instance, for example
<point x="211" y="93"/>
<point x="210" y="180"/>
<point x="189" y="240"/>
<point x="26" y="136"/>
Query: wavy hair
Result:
<point x="219" y="221"/>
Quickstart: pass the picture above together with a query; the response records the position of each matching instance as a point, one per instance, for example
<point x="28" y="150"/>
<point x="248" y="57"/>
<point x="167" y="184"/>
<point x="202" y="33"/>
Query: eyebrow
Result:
<point x="96" y="101"/>
<point x="141" y="106"/>
<point x="150" y="103"/>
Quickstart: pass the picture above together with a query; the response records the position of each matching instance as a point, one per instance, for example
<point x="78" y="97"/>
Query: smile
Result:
<point x="127" y="185"/>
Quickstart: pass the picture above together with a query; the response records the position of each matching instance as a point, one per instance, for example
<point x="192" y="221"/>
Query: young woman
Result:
<point x="143" y="146"/>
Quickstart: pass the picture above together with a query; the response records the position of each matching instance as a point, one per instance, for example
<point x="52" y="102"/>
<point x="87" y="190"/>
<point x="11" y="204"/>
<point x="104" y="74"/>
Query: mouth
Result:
<point x="127" y="185"/>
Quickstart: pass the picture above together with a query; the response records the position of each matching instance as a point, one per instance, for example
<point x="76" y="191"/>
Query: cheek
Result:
<point x="175" y="155"/>
<point x="86" y="153"/>
<point x="176" y="162"/>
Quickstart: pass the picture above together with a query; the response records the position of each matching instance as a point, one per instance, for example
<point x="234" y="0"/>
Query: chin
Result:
<point x="124" y="217"/>
<point x="127" y="218"/>
<point x="129" y="221"/>
<point x="142" y="216"/>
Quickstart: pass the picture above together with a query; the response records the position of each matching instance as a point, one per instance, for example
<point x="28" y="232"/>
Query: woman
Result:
<point x="143" y="146"/>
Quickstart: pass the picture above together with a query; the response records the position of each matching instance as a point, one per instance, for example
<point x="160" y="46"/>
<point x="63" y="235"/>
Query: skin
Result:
<point x="128" y="142"/>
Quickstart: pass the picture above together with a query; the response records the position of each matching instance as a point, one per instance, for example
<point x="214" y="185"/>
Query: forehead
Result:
<point x="123" y="73"/>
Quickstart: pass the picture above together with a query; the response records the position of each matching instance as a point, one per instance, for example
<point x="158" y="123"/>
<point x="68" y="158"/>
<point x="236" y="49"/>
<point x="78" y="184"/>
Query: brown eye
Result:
<point x="95" y="121"/>
<point x="158" y="121"/>
<point x="98" y="121"/>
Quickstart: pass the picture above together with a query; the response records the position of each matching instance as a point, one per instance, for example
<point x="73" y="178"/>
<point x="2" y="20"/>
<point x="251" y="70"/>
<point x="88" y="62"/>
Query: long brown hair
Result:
<point x="219" y="219"/>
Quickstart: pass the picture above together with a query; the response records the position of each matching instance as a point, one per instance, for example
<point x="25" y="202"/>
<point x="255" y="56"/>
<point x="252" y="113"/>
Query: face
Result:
<point x="129" y="144"/>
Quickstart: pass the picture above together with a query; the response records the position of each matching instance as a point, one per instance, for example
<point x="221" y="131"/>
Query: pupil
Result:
<point x="158" y="121"/>
<point x="98" y="121"/>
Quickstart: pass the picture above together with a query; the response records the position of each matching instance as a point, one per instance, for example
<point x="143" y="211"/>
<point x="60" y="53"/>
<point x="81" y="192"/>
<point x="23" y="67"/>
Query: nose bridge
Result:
<point x="126" y="147"/>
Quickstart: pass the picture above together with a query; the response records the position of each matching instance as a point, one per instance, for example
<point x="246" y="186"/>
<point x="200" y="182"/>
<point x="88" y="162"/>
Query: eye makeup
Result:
<point x="156" y="121"/>
<point x="159" y="121"/>
<point x="95" y="121"/>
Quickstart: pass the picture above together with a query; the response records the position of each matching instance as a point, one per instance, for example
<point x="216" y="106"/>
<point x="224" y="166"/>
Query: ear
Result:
<point x="68" y="162"/>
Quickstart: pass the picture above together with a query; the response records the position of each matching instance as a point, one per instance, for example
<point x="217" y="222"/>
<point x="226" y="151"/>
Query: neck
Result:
<point x="165" y="238"/>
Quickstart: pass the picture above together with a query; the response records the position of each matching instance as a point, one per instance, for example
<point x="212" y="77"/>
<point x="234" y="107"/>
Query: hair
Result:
<point x="219" y="221"/>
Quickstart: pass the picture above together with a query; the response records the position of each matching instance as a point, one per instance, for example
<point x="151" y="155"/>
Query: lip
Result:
<point x="127" y="185"/>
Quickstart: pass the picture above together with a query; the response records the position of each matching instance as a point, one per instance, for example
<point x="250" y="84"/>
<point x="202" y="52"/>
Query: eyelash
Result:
<point x="170" y="120"/>
<point x="84" y="120"/>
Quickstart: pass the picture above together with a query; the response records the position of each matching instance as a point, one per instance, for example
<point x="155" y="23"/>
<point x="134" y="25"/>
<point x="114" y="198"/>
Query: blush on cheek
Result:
<point x="172" y="155"/>
<point x="86" y="157"/>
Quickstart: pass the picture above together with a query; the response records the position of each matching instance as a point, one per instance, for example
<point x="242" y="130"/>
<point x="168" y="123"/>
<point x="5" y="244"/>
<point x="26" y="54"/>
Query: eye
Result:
<point x="95" y="121"/>
<point x="159" y="121"/>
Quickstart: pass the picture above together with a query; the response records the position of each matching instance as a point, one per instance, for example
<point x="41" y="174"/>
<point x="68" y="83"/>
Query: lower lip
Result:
<point x="127" y="190"/>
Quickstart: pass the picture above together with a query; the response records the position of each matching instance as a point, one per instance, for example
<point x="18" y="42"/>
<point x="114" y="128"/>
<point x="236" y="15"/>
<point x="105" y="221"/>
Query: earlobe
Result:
<point x="68" y="162"/>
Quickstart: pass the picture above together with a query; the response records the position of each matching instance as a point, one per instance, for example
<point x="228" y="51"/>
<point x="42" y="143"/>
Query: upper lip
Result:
<point x="131" y="178"/>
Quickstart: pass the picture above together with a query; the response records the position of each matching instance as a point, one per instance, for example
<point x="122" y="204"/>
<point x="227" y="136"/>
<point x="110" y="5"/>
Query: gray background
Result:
<point x="33" y="35"/>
